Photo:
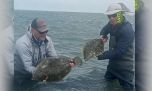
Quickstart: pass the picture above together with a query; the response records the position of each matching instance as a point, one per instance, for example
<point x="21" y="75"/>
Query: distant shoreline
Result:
<point x="130" y="14"/>
<point x="57" y="11"/>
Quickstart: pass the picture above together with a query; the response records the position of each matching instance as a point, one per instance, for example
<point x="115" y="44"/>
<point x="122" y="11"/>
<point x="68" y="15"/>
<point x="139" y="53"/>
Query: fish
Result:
<point x="93" y="48"/>
<point x="55" y="68"/>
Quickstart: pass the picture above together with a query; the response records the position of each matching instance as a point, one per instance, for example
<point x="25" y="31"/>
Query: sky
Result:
<point x="91" y="6"/>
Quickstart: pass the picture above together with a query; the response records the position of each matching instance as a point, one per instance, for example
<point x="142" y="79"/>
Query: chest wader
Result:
<point x="121" y="68"/>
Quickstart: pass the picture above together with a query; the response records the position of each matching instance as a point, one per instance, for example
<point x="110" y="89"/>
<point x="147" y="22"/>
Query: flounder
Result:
<point x="55" y="68"/>
<point x="93" y="48"/>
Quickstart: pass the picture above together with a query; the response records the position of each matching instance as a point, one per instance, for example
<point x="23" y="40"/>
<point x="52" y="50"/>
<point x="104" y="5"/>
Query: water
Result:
<point x="69" y="32"/>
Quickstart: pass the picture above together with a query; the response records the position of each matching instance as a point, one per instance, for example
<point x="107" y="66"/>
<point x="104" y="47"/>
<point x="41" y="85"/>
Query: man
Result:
<point x="33" y="46"/>
<point x="120" y="53"/>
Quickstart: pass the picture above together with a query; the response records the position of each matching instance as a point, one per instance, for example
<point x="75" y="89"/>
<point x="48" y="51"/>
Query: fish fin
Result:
<point x="77" y="60"/>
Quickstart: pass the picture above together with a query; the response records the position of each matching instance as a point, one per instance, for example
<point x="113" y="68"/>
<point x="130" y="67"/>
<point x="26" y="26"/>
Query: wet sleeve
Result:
<point x="26" y="56"/>
<point x="51" y="52"/>
<point x="105" y="30"/>
<point x="124" y="42"/>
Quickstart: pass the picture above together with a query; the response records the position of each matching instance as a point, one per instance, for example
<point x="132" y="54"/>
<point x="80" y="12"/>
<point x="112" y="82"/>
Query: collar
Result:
<point x="33" y="40"/>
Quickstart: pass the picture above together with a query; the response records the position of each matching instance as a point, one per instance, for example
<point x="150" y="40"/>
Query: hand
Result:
<point x="104" y="39"/>
<point x="100" y="57"/>
<point x="46" y="78"/>
<point x="71" y="64"/>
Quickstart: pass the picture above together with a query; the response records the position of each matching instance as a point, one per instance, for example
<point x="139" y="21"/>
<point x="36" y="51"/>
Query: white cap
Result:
<point x="116" y="7"/>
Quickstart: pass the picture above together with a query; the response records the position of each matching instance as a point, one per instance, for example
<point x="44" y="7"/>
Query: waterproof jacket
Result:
<point x="120" y="53"/>
<point x="28" y="53"/>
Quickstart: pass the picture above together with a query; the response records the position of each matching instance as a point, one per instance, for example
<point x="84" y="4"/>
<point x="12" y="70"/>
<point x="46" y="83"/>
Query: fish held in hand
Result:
<point x="55" y="68"/>
<point x="93" y="48"/>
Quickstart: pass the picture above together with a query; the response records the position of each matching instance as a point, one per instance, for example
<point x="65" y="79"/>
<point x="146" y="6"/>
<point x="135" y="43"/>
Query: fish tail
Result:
<point x="77" y="60"/>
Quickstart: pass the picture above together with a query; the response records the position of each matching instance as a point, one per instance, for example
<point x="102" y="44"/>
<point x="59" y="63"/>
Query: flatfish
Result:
<point x="93" y="48"/>
<point x="55" y="68"/>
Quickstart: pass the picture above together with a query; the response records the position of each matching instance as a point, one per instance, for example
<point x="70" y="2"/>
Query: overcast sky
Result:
<point x="92" y="6"/>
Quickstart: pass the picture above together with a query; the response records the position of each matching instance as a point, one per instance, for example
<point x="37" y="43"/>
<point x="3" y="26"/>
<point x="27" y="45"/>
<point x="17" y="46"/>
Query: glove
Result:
<point x="103" y="56"/>
<point x="100" y="57"/>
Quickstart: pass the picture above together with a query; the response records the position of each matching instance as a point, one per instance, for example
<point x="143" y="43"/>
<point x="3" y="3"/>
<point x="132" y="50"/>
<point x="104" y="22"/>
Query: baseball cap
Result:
<point x="39" y="24"/>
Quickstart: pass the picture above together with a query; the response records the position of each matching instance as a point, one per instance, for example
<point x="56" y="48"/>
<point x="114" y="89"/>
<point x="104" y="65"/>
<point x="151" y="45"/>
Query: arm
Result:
<point x="25" y="55"/>
<point x="125" y="41"/>
<point x="104" y="32"/>
<point x="50" y="49"/>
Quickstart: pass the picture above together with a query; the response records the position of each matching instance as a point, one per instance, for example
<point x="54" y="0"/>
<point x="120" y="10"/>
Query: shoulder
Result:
<point x="23" y="41"/>
<point x="127" y="26"/>
<point x="106" y="29"/>
<point x="49" y="39"/>
<point x="107" y="26"/>
<point x="127" y="31"/>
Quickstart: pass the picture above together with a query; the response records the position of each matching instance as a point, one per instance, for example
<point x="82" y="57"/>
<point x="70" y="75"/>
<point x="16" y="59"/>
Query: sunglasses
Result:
<point x="113" y="15"/>
<point x="45" y="32"/>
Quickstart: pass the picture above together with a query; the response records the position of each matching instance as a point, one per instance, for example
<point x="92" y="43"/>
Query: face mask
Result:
<point x="120" y="18"/>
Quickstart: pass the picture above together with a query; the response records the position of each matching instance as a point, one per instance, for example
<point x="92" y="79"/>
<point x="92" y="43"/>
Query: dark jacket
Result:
<point x="124" y="37"/>
<point x="121" y="50"/>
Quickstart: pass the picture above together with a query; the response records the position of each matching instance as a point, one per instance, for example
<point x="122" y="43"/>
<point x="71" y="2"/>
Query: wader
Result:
<point x="122" y="68"/>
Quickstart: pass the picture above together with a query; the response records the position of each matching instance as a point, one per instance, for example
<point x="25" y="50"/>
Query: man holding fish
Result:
<point x="120" y="53"/>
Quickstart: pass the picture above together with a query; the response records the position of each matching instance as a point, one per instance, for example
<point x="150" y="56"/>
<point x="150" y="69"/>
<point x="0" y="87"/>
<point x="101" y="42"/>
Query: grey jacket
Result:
<point x="28" y="54"/>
